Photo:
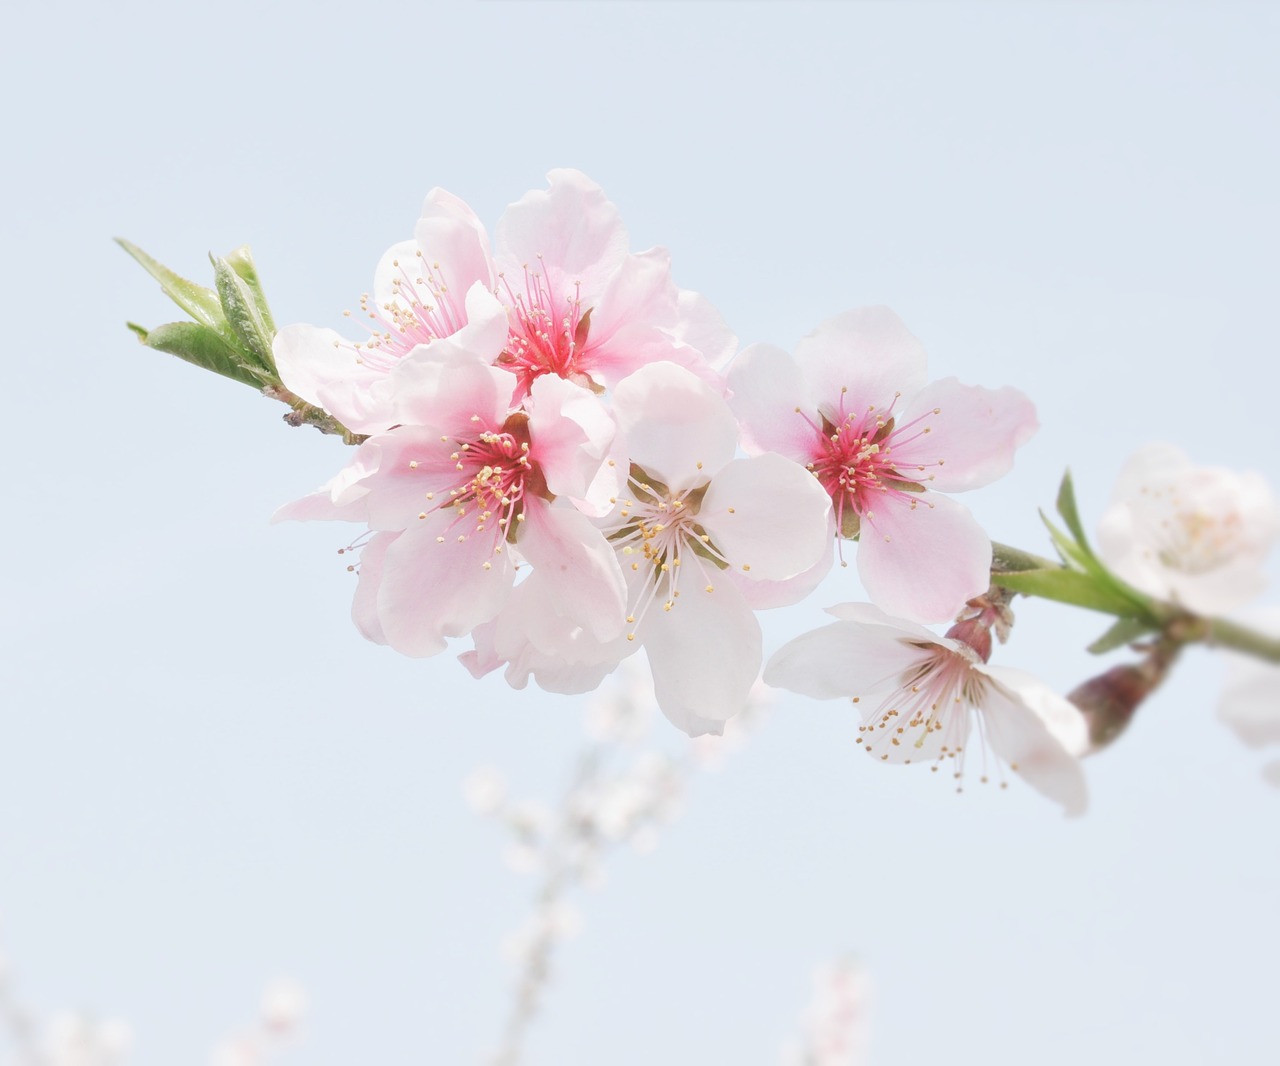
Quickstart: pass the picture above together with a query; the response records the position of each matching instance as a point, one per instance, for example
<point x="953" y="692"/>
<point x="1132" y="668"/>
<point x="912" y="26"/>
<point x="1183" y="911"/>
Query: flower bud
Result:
<point x="1110" y="700"/>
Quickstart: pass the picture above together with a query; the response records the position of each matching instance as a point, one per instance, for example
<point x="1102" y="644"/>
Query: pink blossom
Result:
<point x="1197" y="536"/>
<point x="463" y="486"/>
<point x="920" y="696"/>
<point x="853" y="407"/>
<point x="559" y="295"/>
<point x="693" y="526"/>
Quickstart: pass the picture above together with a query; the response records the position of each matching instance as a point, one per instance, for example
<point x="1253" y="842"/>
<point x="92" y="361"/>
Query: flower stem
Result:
<point x="1007" y="559"/>
<point x="1220" y="633"/>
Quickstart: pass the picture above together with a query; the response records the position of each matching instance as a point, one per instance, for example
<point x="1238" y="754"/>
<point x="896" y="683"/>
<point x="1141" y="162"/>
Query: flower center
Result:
<point x="497" y="475"/>
<point x="853" y="459"/>
<point x="547" y="335"/>
<point x="660" y="539"/>
<point x="420" y="310"/>
<point x="1195" y="542"/>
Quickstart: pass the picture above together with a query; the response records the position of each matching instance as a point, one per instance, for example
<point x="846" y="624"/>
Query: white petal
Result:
<point x="576" y="443"/>
<point x="705" y="656"/>
<point x="768" y="516"/>
<point x="843" y="660"/>
<point x="1038" y="733"/>
<point x="676" y="427"/>
<point x="449" y="234"/>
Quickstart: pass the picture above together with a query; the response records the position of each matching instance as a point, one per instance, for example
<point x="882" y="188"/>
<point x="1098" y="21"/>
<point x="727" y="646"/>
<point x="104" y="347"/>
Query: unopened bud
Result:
<point x="976" y="634"/>
<point x="1110" y="700"/>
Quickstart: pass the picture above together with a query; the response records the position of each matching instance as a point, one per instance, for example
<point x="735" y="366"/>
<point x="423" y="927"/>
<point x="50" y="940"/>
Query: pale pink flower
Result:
<point x="853" y="407"/>
<point x="692" y="526"/>
<point x="920" y="697"/>
<point x="462" y="485"/>
<point x="836" y="1022"/>
<point x="559" y="295"/>
<point x="1196" y="536"/>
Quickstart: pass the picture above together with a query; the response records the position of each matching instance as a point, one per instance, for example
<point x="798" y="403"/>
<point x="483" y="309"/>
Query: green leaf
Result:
<point x="241" y="261"/>
<point x="1069" y="586"/>
<point x="200" y="303"/>
<point x="242" y="314"/>
<point x="1123" y="631"/>
<point x="202" y="347"/>
<point x="1070" y="513"/>
<point x="1068" y="550"/>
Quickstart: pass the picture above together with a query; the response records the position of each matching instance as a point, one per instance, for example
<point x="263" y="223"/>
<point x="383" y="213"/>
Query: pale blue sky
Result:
<point x="208" y="778"/>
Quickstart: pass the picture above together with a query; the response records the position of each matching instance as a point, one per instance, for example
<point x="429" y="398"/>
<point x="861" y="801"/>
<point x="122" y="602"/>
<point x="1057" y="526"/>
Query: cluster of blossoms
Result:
<point x="556" y="404"/>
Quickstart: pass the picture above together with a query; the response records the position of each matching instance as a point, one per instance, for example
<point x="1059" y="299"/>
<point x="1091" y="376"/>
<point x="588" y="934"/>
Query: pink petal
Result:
<point x="324" y="369"/>
<point x="576" y="443"/>
<point x="867" y="351"/>
<point x="569" y="232"/>
<point x="431" y="590"/>
<point x="971" y="440"/>
<point x="767" y="393"/>
<point x="364" y="607"/>
<point x="923" y="562"/>
<point x="450" y="234"/>
<point x="563" y="545"/>
<point x="768" y="517"/>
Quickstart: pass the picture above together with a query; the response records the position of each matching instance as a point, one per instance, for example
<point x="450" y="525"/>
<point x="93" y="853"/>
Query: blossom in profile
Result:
<point x="558" y="294"/>
<point x="921" y="697"/>
<point x="853" y="406"/>
<point x="1196" y="536"/>
<point x="692" y="528"/>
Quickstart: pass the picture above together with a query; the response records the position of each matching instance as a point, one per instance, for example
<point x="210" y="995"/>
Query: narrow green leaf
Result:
<point x="200" y="303"/>
<point x="203" y="347"/>
<point x="241" y="261"/>
<point x="1068" y="550"/>
<point x="1069" y="586"/>
<point x="1123" y="631"/>
<point x="139" y="330"/>
<point x="1070" y="512"/>
<point x="242" y="314"/>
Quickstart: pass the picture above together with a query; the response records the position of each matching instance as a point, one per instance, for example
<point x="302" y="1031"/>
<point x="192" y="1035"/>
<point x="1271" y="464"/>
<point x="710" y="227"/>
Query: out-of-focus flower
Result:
<point x="921" y="696"/>
<point x="835" y="1025"/>
<point x="1196" y="536"/>
<point x="1250" y="702"/>
<point x="853" y="407"/>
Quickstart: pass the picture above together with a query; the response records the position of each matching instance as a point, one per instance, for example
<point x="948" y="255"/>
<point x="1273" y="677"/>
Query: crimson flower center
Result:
<point x="547" y="334"/>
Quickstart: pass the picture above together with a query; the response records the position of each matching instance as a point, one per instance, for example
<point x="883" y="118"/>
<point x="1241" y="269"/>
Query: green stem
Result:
<point x="1008" y="559"/>
<point x="1220" y="633"/>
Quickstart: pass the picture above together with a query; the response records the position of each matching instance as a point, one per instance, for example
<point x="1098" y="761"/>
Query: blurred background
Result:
<point x="208" y="779"/>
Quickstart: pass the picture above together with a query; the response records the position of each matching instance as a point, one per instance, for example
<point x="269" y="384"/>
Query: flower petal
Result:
<point x="767" y="393"/>
<point x="923" y="562"/>
<point x="451" y="236"/>
<point x="970" y="437"/>
<point x="677" y="428"/>
<point x="434" y="589"/>
<point x="1038" y="733"/>
<point x="563" y="545"/>
<point x="324" y="369"/>
<point x="705" y="656"/>
<point x="576" y="443"/>
<point x="867" y="351"/>
<point x="843" y="659"/>
<point x="768" y="516"/>
<point x="569" y="232"/>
